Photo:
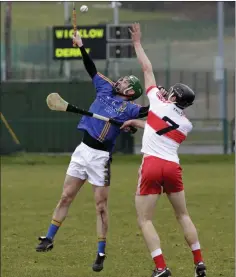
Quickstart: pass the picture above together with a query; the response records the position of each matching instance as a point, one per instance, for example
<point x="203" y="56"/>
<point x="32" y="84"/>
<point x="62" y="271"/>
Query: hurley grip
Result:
<point x="133" y="130"/>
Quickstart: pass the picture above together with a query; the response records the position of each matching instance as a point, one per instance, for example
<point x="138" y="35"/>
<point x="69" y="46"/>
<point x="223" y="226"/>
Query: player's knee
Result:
<point x="182" y="216"/>
<point x="142" y="221"/>
<point x="66" y="200"/>
<point x="101" y="207"/>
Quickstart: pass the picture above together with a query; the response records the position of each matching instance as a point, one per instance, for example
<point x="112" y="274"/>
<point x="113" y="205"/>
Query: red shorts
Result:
<point x="157" y="175"/>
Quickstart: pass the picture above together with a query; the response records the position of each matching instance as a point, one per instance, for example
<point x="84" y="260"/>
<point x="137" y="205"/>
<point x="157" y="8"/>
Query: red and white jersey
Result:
<point x="165" y="129"/>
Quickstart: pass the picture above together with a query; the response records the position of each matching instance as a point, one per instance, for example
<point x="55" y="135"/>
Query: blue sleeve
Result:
<point x="103" y="85"/>
<point x="133" y="110"/>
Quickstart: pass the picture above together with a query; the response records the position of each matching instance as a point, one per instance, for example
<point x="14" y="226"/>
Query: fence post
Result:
<point x="168" y="64"/>
<point x="207" y="95"/>
<point x="48" y="55"/>
<point x="225" y="120"/>
<point x="181" y="76"/>
<point x="194" y="81"/>
<point x="8" y="42"/>
<point x="232" y="135"/>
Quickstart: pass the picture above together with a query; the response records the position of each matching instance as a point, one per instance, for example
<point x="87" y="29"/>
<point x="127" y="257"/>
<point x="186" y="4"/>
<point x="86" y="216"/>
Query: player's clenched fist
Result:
<point x="162" y="91"/>
<point x="135" y="32"/>
<point x="77" y="40"/>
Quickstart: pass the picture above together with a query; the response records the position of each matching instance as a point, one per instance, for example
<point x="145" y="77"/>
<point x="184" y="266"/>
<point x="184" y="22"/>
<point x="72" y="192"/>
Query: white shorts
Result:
<point x="90" y="164"/>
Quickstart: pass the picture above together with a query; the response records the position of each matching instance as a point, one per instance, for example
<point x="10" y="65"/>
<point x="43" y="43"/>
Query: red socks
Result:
<point x="197" y="255"/>
<point x="158" y="259"/>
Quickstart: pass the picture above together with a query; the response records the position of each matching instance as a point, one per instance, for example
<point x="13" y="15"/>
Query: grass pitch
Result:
<point x="31" y="187"/>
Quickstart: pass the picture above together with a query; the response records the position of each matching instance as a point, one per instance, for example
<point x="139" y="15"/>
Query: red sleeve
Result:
<point x="150" y="88"/>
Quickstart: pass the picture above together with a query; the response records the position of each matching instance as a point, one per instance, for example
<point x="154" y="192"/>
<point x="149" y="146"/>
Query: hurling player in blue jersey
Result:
<point x="91" y="159"/>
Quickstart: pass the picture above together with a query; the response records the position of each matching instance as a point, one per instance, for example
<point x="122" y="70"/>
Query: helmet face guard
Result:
<point x="118" y="86"/>
<point x="133" y="83"/>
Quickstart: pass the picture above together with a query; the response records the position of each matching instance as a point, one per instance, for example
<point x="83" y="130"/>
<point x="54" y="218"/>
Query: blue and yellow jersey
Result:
<point x="109" y="105"/>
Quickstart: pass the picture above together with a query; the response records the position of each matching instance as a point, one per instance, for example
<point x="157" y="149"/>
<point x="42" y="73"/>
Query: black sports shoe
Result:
<point x="200" y="270"/>
<point x="45" y="244"/>
<point x="98" y="264"/>
<point x="161" y="273"/>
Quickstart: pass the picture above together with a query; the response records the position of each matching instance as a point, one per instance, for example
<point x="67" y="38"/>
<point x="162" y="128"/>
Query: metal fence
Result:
<point x="40" y="130"/>
<point x="32" y="58"/>
<point x="180" y="42"/>
<point x="174" y="38"/>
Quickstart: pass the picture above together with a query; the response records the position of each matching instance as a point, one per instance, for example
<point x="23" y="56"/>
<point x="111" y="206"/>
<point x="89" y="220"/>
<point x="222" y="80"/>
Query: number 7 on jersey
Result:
<point x="172" y="127"/>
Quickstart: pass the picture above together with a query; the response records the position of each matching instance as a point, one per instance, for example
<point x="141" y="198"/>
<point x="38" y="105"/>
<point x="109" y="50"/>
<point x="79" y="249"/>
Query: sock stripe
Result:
<point x="156" y="252"/>
<point x="57" y="223"/>
<point x="195" y="246"/>
<point x="101" y="239"/>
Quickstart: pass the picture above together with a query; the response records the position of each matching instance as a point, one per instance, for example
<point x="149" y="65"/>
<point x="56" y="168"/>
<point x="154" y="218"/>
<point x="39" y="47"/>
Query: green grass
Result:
<point x="31" y="186"/>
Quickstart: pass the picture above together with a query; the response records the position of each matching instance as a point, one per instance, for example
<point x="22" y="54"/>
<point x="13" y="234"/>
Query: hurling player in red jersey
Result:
<point x="165" y="129"/>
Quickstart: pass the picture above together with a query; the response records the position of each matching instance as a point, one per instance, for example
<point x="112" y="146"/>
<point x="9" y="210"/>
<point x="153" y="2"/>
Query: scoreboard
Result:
<point x="102" y="42"/>
<point x="94" y="39"/>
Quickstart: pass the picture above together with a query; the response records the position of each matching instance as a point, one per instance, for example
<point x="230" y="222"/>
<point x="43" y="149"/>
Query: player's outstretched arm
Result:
<point x="149" y="77"/>
<point x="134" y="122"/>
<point x="88" y="62"/>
